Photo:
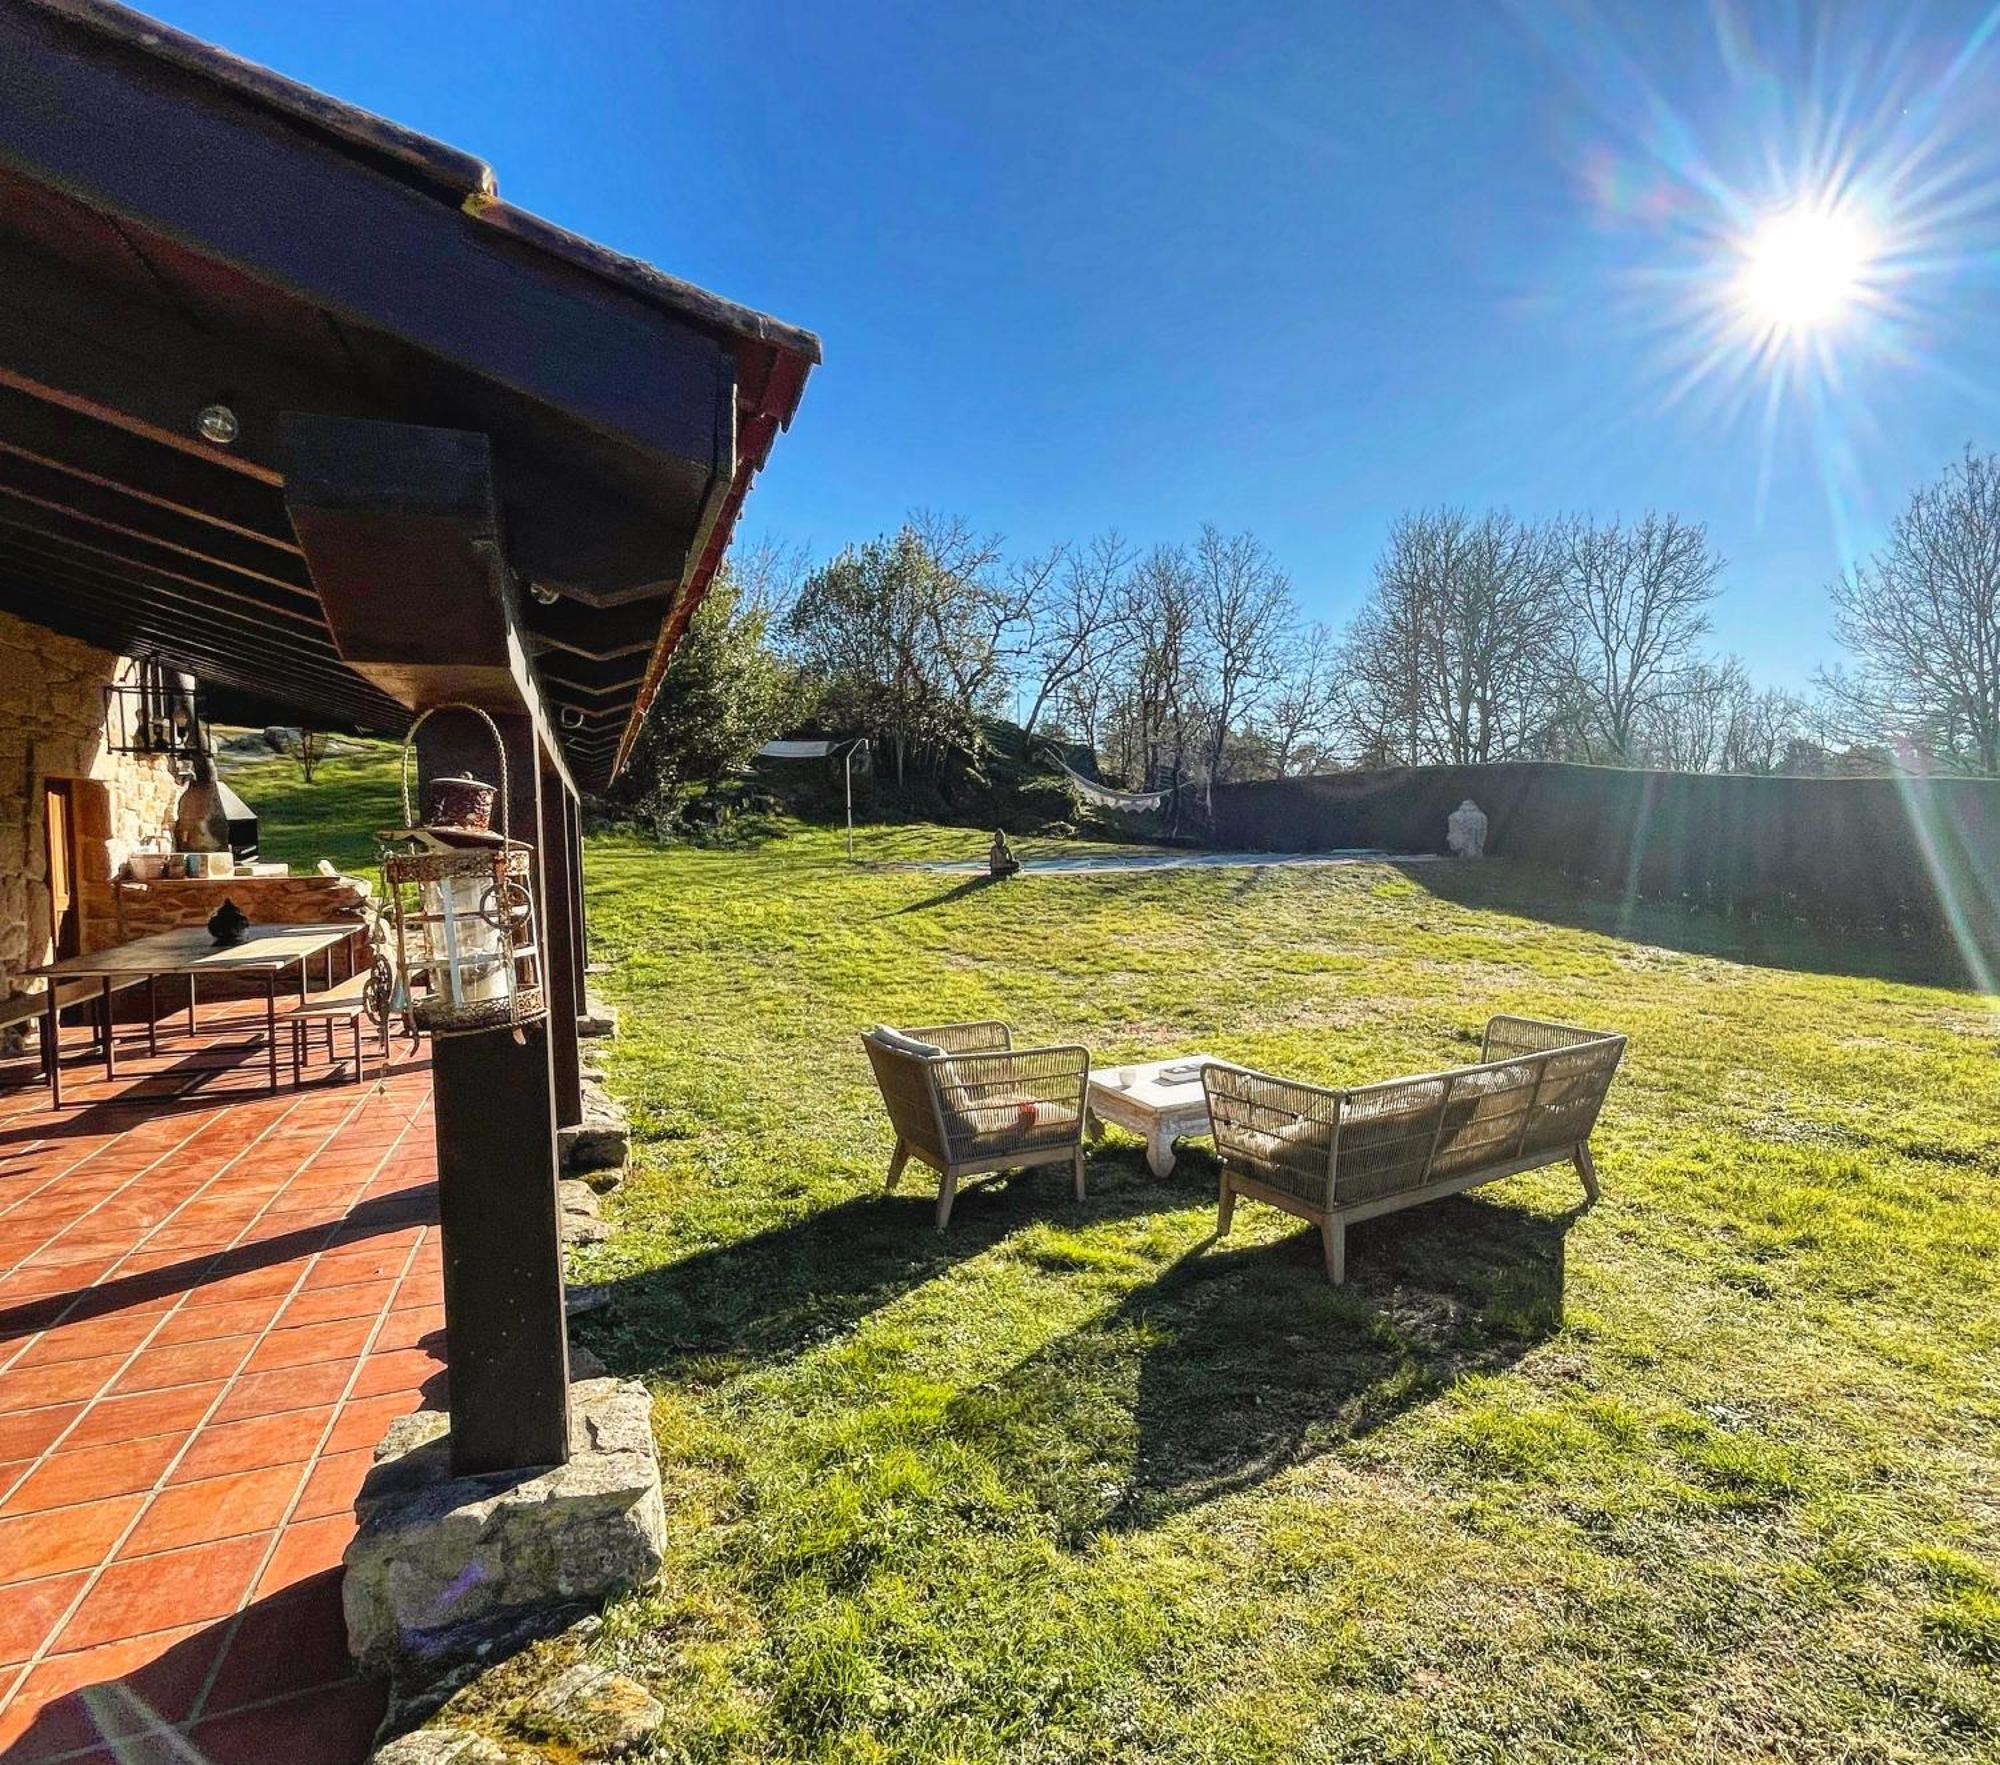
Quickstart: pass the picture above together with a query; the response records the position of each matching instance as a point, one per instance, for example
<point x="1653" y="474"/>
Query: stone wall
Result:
<point x="52" y="726"/>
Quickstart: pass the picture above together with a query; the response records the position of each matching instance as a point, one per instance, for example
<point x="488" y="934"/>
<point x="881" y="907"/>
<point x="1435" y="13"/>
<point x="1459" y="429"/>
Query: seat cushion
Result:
<point x="891" y="1037"/>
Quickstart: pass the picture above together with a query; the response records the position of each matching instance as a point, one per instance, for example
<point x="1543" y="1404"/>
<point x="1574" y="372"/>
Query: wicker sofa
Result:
<point x="1337" y="1156"/>
<point x="977" y="1103"/>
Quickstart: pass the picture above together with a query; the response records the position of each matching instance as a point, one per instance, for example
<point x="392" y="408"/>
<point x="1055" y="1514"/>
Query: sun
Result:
<point x="1804" y="268"/>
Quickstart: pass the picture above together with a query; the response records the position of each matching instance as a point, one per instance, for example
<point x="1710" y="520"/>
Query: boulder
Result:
<point x="598" y="1713"/>
<point x="442" y="1567"/>
<point x="440" y="1746"/>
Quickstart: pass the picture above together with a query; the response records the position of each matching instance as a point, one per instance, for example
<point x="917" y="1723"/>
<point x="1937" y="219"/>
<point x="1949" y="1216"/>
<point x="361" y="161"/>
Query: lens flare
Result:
<point x="1805" y="268"/>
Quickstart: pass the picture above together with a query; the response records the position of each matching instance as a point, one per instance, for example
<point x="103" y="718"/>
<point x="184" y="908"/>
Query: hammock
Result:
<point x="1105" y="797"/>
<point x="806" y="750"/>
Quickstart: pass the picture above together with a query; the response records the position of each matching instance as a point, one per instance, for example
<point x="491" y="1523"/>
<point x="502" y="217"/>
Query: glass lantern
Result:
<point x="466" y="949"/>
<point x="461" y="909"/>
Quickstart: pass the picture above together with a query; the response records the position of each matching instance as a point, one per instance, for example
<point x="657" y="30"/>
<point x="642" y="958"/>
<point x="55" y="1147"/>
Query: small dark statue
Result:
<point x="228" y="925"/>
<point x="1000" y="860"/>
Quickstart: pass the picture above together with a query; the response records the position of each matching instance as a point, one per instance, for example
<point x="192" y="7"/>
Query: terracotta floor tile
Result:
<point x="289" y="1642"/>
<point x="217" y="1507"/>
<point x="210" y="1323"/>
<point x="253" y="1444"/>
<point x="341" y="1340"/>
<point x="241" y="1282"/>
<point x="165" y="1592"/>
<point x="332" y="1726"/>
<point x="187" y="1363"/>
<point x="306" y="1548"/>
<point x="27" y="1388"/>
<point x="33" y="1545"/>
<point x="90" y="1339"/>
<point x="323" y="1305"/>
<point x="173" y="1411"/>
<point x="334" y="1483"/>
<point x="113" y="1690"/>
<point x="407" y="1369"/>
<point x="24" y="1434"/>
<point x="365" y="1421"/>
<point x="89" y="1473"/>
<point x="285" y="1388"/>
<point x="31" y="1610"/>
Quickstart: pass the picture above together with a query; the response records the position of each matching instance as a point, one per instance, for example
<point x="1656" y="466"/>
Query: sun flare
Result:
<point x="1804" y="269"/>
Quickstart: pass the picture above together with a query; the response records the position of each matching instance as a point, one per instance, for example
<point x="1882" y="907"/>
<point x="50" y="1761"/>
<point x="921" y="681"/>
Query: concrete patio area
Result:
<point x="213" y="1300"/>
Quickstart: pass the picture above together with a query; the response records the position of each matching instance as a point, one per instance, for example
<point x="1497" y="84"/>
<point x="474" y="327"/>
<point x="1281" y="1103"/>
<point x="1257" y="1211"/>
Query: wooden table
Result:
<point x="1158" y="1108"/>
<point x="266" y="950"/>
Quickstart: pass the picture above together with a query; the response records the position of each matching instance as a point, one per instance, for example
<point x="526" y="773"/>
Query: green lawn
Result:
<point x="1707" y="1472"/>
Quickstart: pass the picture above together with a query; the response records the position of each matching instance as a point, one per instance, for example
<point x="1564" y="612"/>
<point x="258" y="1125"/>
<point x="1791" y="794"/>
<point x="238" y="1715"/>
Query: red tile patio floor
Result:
<point x="212" y="1302"/>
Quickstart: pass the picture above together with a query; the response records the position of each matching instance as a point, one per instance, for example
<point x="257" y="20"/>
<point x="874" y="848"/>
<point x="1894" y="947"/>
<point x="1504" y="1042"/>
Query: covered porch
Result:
<point x="292" y="402"/>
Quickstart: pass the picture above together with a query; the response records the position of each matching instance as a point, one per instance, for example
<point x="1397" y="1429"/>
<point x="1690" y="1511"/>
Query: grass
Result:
<point x="1706" y="1472"/>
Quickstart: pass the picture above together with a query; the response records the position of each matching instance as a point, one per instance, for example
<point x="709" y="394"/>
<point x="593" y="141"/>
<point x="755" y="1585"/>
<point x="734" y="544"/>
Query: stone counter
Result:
<point x="160" y="904"/>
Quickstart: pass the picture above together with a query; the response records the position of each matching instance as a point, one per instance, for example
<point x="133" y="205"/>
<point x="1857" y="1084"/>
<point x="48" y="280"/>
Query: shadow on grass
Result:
<point x="970" y="886"/>
<point x="760" y="1299"/>
<point x="1507" y="886"/>
<point x="1238" y="1363"/>
<point x="1235" y="1363"/>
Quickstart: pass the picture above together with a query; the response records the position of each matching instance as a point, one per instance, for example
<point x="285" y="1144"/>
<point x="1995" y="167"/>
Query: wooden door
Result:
<point x="59" y="820"/>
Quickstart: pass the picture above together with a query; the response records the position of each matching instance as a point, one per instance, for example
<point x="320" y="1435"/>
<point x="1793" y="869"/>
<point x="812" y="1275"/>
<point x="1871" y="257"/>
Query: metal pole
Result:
<point x="847" y="772"/>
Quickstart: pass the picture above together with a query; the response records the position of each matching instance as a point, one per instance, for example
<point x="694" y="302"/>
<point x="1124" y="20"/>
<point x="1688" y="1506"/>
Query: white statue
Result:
<point x="1465" y="830"/>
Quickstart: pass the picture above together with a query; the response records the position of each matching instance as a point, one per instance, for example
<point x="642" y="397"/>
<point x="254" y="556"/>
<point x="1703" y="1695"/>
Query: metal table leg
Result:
<point x="104" y="1010"/>
<point x="153" y="1015"/>
<point x="52" y="1047"/>
<point x="271" y="1020"/>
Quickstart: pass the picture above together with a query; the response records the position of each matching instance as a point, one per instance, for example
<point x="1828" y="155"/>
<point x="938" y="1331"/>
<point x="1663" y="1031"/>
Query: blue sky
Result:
<point x="1289" y="267"/>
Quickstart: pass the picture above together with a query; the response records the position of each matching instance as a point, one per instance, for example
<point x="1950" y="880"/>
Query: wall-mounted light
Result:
<point x="217" y="423"/>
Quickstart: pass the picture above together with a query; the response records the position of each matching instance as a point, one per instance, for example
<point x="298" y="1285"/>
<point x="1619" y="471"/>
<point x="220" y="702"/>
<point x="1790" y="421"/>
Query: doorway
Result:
<point x="59" y="824"/>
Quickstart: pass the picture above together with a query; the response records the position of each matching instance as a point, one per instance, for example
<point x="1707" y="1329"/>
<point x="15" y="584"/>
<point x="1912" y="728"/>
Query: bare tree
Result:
<point x="972" y="608"/>
<point x="1922" y="618"/>
<point x="1158" y="703"/>
<point x="1305" y="707"/>
<point x="1076" y="633"/>
<point x="1453" y="659"/>
<point x="1244" y="607"/>
<point x="1638" y="601"/>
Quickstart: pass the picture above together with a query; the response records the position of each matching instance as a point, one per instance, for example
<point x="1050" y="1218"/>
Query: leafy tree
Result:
<point x="902" y="638"/>
<point x="725" y="693"/>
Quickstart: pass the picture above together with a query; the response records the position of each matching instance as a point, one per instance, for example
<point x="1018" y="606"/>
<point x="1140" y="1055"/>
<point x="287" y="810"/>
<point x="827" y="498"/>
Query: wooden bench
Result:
<point x="32" y="1008"/>
<point x="1335" y="1157"/>
<point x="346" y="1003"/>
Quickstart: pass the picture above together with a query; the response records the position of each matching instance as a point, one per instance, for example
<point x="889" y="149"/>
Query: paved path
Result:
<point x="1110" y="863"/>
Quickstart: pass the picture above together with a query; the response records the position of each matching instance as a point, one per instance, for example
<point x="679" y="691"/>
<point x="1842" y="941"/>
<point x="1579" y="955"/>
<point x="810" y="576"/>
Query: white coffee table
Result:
<point x="1154" y="1102"/>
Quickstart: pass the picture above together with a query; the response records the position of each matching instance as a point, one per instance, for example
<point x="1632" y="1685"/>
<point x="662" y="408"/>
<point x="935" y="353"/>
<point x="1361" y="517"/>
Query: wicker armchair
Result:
<point x="980" y="1105"/>
<point x="1336" y="1156"/>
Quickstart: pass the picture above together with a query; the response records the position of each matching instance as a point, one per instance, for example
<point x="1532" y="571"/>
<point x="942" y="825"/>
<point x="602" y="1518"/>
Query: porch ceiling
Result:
<point x="179" y="230"/>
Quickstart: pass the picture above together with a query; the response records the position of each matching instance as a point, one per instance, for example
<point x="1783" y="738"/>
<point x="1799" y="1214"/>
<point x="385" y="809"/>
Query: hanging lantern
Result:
<point x="461" y="907"/>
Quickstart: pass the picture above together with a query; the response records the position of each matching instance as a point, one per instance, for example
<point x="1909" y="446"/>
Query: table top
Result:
<point x="189" y="949"/>
<point x="1149" y="1090"/>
